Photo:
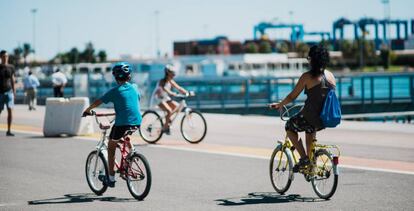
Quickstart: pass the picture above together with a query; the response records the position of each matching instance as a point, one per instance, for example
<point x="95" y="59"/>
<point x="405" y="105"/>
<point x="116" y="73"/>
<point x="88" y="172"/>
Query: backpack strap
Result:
<point x="324" y="81"/>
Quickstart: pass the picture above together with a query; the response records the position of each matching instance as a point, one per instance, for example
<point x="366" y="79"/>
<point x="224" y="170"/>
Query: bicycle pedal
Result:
<point x="123" y="176"/>
<point x="101" y="178"/>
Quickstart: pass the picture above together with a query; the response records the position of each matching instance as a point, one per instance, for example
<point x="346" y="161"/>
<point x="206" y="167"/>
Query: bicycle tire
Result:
<point x="328" y="174"/>
<point x="282" y="188"/>
<point x="144" y="128"/>
<point x="186" y="136"/>
<point x="92" y="186"/>
<point x="130" y="175"/>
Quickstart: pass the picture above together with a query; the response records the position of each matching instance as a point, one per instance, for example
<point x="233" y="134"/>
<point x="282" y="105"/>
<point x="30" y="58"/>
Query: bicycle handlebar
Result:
<point x="93" y="113"/>
<point x="105" y="114"/>
<point x="285" y="114"/>
<point x="188" y="94"/>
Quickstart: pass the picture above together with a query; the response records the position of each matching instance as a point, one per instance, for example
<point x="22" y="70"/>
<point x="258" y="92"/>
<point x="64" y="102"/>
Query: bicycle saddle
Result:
<point x="104" y="126"/>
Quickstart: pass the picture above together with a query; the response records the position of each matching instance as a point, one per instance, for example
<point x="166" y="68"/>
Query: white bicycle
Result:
<point x="193" y="125"/>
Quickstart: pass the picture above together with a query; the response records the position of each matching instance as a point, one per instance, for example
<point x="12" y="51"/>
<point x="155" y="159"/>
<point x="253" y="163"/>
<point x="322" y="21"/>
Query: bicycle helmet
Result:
<point x="170" y="69"/>
<point x="121" y="70"/>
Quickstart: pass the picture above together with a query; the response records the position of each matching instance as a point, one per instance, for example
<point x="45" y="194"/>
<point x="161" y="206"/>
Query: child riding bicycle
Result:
<point x="316" y="83"/>
<point x="125" y="97"/>
<point x="162" y="92"/>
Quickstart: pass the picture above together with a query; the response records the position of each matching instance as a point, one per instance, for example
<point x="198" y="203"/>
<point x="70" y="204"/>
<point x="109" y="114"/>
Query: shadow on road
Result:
<point x="265" y="198"/>
<point x="79" y="198"/>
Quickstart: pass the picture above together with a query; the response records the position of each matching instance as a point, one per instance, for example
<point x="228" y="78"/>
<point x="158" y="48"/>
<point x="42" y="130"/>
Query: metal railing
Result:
<point x="362" y="89"/>
<point x="236" y="92"/>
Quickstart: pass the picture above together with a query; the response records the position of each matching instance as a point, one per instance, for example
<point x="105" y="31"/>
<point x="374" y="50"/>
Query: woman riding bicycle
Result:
<point x="161" y="95"/>
<point x="316" y="83"/>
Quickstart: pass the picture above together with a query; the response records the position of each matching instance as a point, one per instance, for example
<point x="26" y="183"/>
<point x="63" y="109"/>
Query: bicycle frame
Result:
<point x="287" y="144"/>
<point x="125" y="146"/>
<point x="181" y="106"/>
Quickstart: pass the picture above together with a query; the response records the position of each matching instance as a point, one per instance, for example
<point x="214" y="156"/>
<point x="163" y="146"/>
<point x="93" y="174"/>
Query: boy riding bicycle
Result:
<point x="125" y="98"/>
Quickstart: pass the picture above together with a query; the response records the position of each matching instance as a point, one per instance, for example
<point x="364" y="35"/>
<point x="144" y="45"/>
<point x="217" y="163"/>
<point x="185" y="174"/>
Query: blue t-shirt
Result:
<point x="126" y="99"/>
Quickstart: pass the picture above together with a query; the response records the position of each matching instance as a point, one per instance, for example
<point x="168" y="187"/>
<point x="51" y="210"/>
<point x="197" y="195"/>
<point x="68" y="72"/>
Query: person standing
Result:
<point x="30" y="84"/>
<point x="59" y="81"/>
<point x="7" y="88"/>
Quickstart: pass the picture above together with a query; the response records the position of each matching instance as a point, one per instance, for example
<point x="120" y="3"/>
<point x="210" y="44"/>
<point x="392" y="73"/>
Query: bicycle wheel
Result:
<point x="138" y="176"/>
<point x="281" y="169"/>
<point x="193" y="127"/>
<point x="151" y="127"/>
<point x="325" y="180"/>
<point x="96" y="171"/>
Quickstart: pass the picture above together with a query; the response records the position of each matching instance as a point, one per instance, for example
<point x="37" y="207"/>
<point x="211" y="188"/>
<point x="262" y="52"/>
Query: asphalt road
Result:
<point x="227" y="171"/>
<point x="48" y="174"/>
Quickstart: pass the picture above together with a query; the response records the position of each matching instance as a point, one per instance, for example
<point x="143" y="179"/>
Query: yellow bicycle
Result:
<point x="322" y="171"/>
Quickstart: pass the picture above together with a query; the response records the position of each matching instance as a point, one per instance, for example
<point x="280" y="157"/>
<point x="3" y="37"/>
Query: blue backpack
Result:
<point x="331" y="111"/>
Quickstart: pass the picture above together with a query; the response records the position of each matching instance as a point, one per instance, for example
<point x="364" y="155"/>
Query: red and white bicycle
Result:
<point x="132" y="166"/>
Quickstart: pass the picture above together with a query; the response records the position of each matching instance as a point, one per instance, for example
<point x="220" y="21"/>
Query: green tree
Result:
<point x="385" y="56"/>
<point x="302" y="49"/>
<point x="348" y="49"/>
<point x="73" y="56"/>
<point x="102" y="56"/>
<point x="251" y="47"/>
<point x="265" y="47"/>
<point x="27" y="50"/>
<point x="282" y="47"/>
<point x="17" y="56"/>
<point x="359" y="51"/>
<point x="88" y="55"/>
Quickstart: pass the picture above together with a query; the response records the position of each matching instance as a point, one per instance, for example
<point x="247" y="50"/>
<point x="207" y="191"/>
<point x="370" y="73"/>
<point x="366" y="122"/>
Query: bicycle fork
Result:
<point x="99" y="150"/>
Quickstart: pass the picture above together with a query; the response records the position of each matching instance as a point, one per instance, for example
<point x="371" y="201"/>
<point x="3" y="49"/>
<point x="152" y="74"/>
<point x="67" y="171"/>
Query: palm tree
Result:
<point x="73" y="56"/>
<point x="88" y="55"/>
<point x="102" y="56"/>
<point x="27" y="49"/>
<point x="17" y="55"/>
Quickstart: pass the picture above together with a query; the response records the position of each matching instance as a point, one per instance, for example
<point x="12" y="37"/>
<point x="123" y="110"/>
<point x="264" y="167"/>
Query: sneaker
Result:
<point x="302" y="163"/>
<point x="110" y="183"/>
<point x="106" y="181"/>
<point x="9" y="133"/>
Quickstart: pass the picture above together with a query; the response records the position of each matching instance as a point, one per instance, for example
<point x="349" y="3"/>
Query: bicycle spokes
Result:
<point x="135" y="171"/>
<point x="324" y="182"/>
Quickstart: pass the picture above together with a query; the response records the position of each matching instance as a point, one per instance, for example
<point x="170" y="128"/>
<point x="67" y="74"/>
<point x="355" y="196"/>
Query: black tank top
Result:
<point x="314" y="102"/>
<point x="6" y="72"/>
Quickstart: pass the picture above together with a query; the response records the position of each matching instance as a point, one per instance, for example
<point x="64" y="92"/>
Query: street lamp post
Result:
<point x="387" y="17"/>
<point x="292" y="45"/>
<point x="157" y="33"/>
<point x="34" y="11"/>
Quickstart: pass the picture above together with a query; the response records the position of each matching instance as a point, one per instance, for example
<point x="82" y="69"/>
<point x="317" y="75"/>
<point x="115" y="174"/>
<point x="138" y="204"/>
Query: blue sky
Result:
<point x="128" y="26"/>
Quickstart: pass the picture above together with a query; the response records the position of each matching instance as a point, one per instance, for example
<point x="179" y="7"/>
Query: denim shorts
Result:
<point x="7" y="99"/>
